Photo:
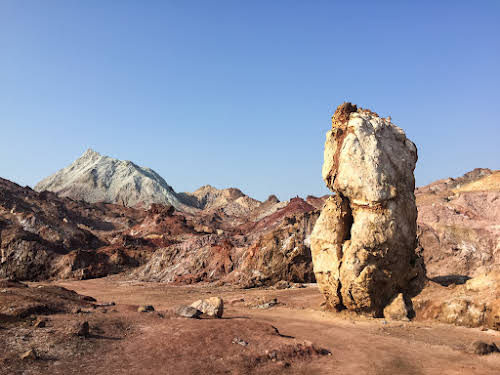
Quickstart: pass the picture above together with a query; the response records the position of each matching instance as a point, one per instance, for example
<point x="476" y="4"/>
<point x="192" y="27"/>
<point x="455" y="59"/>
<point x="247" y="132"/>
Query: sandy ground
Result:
<point x="124" y="341"/>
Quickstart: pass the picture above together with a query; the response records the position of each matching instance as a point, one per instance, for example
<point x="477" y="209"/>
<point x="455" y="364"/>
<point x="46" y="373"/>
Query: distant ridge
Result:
<point x="98" y="178"/>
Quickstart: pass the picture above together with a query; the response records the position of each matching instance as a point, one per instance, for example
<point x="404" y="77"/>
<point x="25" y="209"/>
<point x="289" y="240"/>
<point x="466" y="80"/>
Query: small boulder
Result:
<point x="145" y="308"/>
<point x="41" y="323"/>
<point x="282" y="284"/>
<point x="268" y="304"/>
<point x="29" y="355"/>
<point x="483" y="348"/>
<point x="81" y="329"/>
<point x="213" y="306"/>
<point x="188" y="312"/>
<point x="398" y="309"/>
<point x="239" y="341"/>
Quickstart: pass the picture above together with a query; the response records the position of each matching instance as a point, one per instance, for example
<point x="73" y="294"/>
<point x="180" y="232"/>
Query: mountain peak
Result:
<point x="97" y="178"/>
<point x="90" y="154"/>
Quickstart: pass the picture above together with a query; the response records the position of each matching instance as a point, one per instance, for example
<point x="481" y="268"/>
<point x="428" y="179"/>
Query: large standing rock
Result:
<point x="364" y="242"/>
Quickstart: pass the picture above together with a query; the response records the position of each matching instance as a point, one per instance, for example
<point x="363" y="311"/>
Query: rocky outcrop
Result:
<point x="97" y="178"/>
<point x="258" y="253"/>
<point x="45" y="236"/>
<point x="472" y="303"/>
<point x="364" y="242"/>
<point x="280" y="254"/>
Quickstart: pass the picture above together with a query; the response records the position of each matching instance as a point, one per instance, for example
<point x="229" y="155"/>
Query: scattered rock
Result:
<point x="105" y="304"/>
<point x="398" y="309"/>
<point x="41" y="323"/>
<point x="239" y="341"/>
<point x="483" y="348"/>
<point x="364" y="243"/>
<point x="283" y="284"/>
<point x="268" y="304"/>
<point x="81" y="329"/>
<point x="213" y="306"/>
<point x="29" y="355"/>
<point x="145" y="308"/>
<point x="188" y="312"/>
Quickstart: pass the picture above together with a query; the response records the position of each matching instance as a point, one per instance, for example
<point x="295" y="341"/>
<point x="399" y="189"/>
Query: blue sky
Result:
<point x="240" y="93"/>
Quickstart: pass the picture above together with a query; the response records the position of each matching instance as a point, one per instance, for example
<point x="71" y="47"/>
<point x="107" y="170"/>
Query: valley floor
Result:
<point x="290" y="337"/>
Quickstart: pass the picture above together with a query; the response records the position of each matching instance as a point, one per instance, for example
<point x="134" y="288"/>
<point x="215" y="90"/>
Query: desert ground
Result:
<point x="295" y="336"/>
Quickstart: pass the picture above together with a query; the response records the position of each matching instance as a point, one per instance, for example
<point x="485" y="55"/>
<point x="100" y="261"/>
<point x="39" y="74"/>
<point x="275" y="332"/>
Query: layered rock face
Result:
<point x="364" y="242"/>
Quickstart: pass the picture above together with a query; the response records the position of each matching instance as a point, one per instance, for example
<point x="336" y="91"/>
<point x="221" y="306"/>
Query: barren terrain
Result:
<point x="294" y="337"/>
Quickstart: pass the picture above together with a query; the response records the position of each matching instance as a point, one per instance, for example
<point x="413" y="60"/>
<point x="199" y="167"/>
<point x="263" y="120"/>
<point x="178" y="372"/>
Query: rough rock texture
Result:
<point x="398" y="309"/>
<point x="281" y="254"/>
<point x="483" y="348"/>
<point x="471" y="303"/>
<point x="97" y="178"/>
<point x="458" y="222"/>
<point x="252" y="253"/>
<point x="363" y="244"/>
<point x="188" y="312"/>
<point x="213" y="306"/>
<point x="44" y="236"/>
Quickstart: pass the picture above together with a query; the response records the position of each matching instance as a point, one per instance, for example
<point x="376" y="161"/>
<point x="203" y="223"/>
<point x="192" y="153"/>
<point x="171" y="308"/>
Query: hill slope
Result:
<point x="97" y="178"/>
<point x="458" y="220"/>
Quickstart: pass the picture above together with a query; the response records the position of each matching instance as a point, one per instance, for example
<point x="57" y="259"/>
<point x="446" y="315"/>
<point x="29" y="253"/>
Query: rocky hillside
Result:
<point x="97" y="178"/>
<point x="44" y="236"/>
<point x="231" y="200"/>
<point x="459" y="224"/>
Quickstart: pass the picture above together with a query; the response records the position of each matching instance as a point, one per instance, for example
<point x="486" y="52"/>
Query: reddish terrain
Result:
<point x="459" y="224"/>
<point x="248" y="253"/>
<point x="293" y="337"/>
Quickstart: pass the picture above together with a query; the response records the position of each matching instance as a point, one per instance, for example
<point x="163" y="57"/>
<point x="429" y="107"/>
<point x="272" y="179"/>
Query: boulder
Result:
<point x="188" y="312"/>
<point x="364" y="245"/>
<point x="40" y="323"/>
<point x="28" y="355"/>
<point x="398" y="309"/>
<point x="213" y="306"/>
<point x="145" y="308"/>
<point x="483" y="348"/>
<point x="267" y="304"/>
<point x="81" y="329"/>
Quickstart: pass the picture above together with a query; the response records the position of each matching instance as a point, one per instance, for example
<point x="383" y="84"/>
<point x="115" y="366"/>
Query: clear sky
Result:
<point x="240" y="93"/>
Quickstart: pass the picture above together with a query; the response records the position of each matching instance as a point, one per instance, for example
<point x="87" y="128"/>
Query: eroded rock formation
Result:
<point x="364" y="242"/>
